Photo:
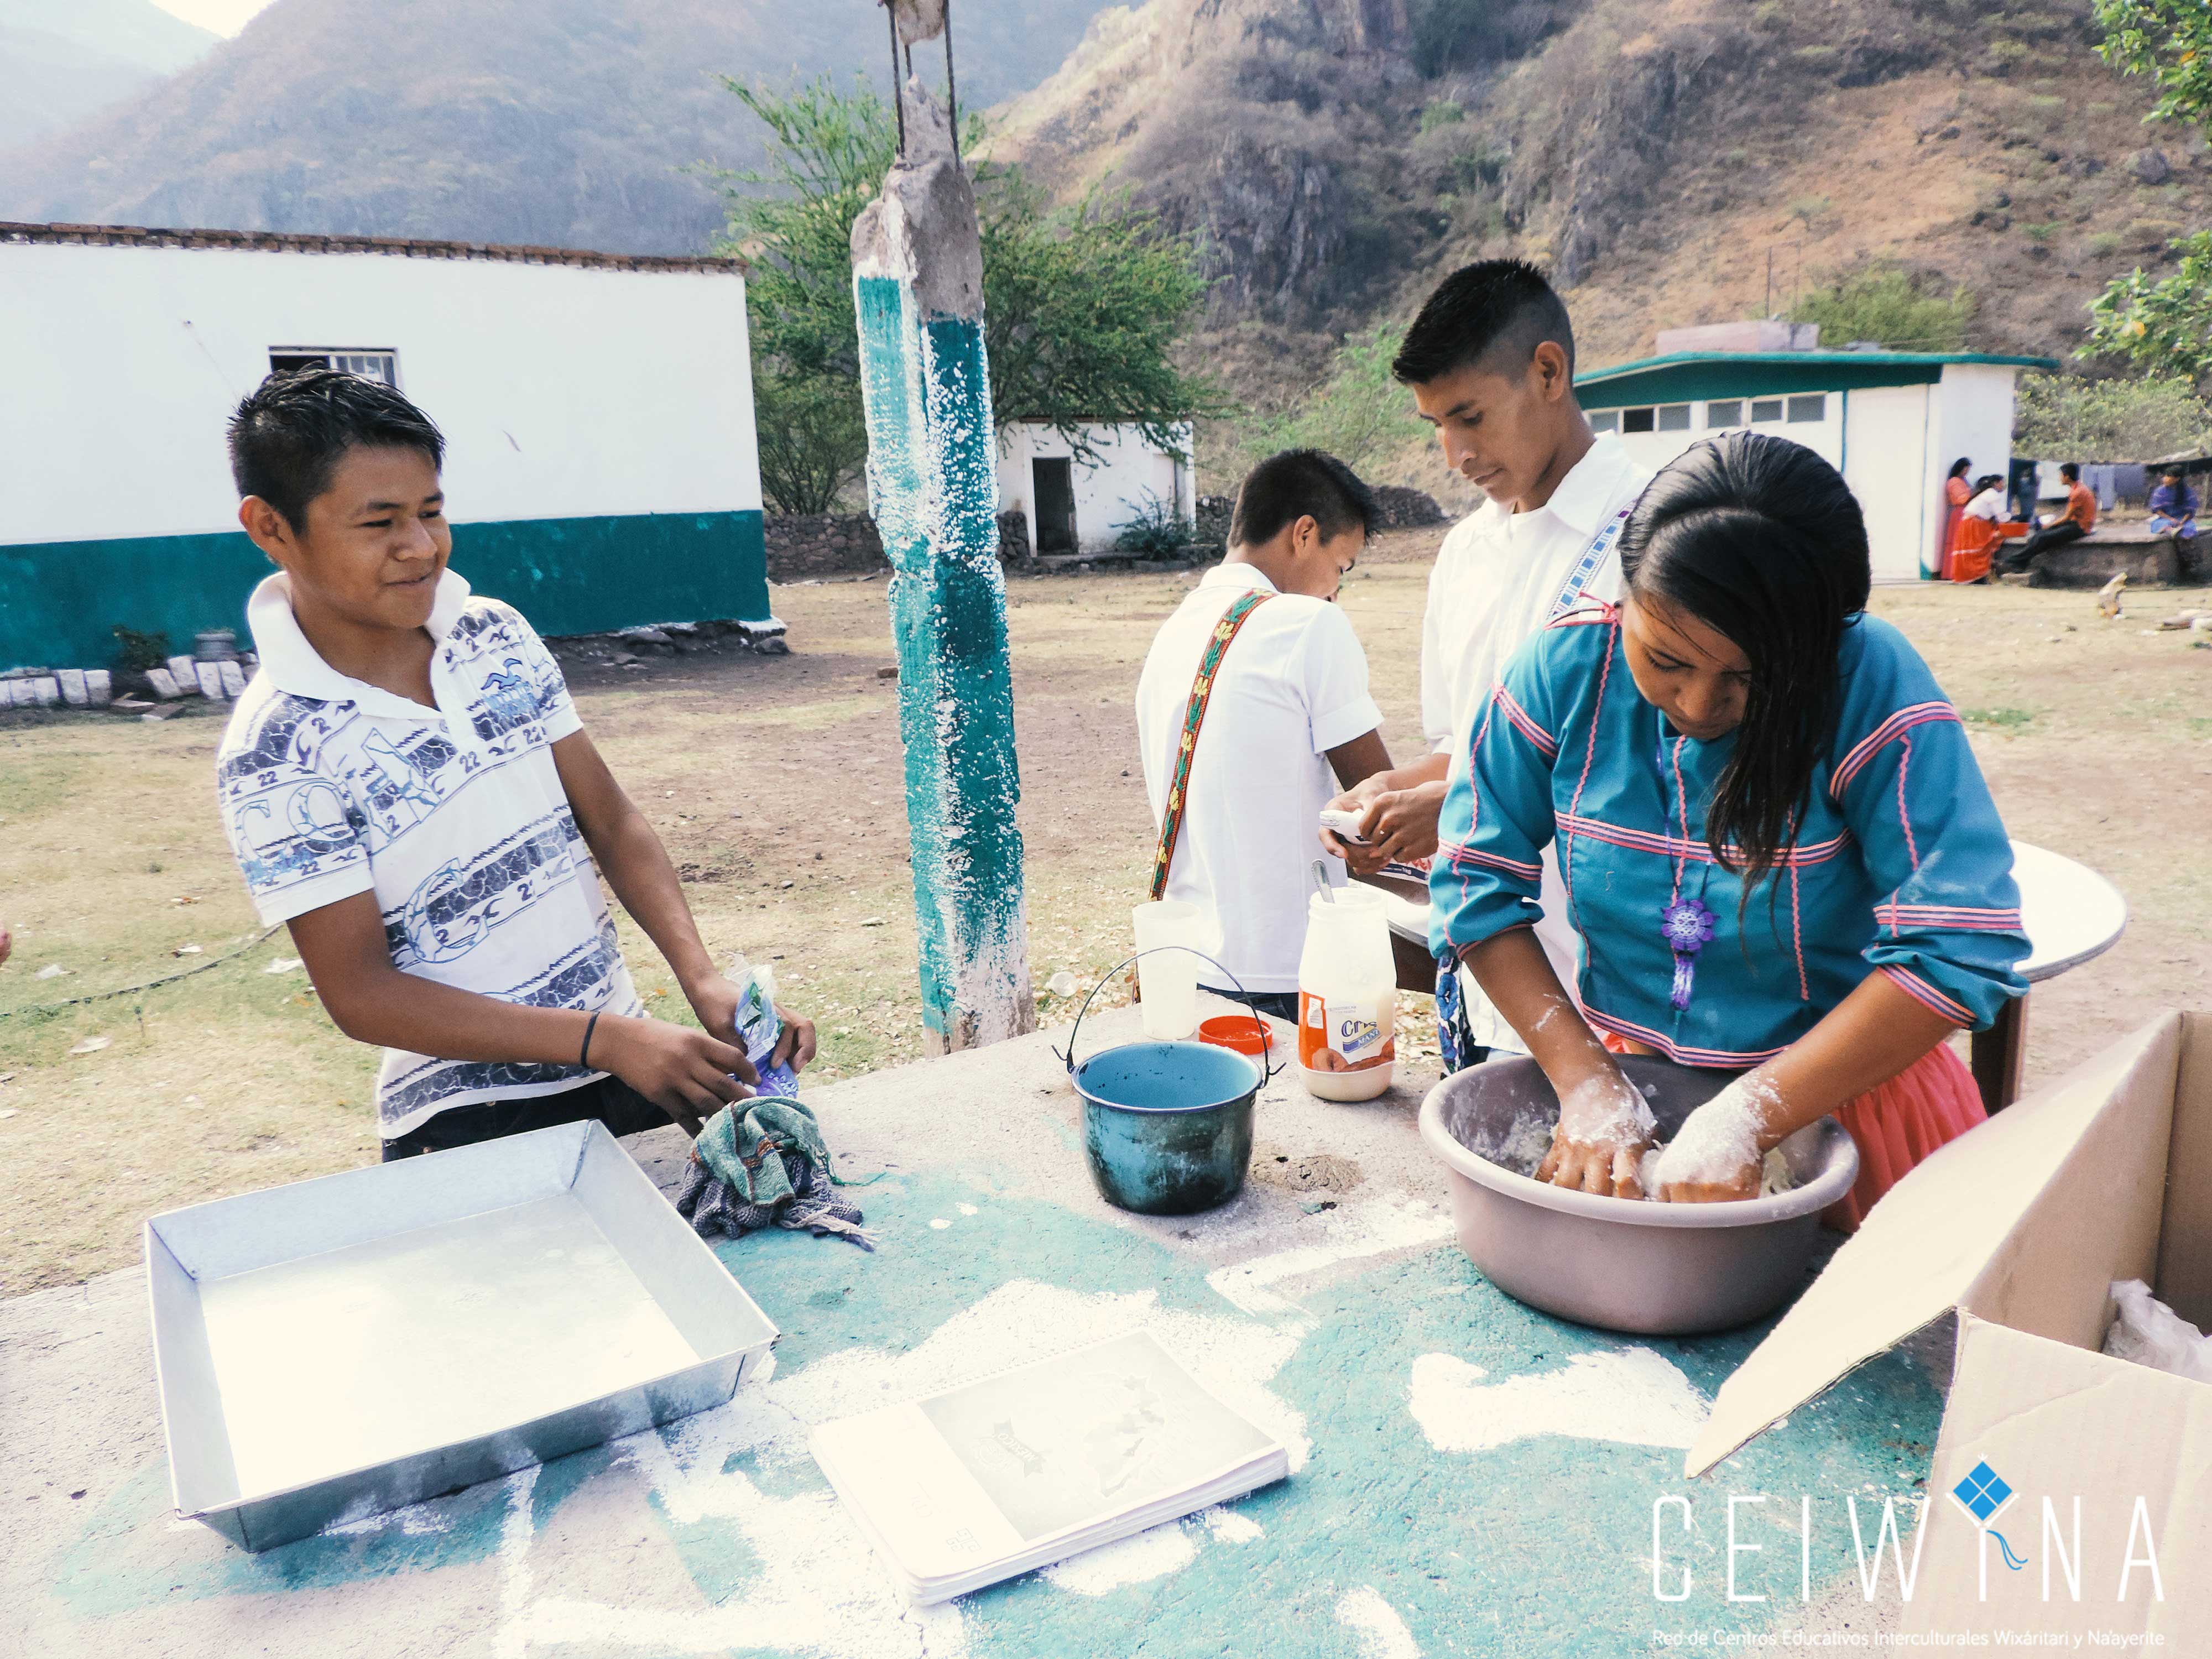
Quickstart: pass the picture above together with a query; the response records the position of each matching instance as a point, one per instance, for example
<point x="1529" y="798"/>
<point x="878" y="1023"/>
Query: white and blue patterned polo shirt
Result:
<point x="455" y="817"/>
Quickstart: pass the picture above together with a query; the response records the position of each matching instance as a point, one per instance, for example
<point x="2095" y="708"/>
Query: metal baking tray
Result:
<point x="338" y="1347"/>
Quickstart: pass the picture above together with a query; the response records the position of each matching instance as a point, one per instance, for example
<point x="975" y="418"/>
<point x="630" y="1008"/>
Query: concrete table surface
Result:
<point x="1469" y="1477"/>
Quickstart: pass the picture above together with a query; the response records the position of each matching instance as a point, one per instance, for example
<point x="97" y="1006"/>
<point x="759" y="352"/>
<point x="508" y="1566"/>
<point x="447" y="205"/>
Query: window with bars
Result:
<point x="1765" y="409"/>
<point x="1606" y="420"/>
<point x="1728" y="412"/>
<point x="370" y="362"/>
<point x="1638" y="420"/>
<point x="1675" y="417"/>
<point x="1813" y="408"/>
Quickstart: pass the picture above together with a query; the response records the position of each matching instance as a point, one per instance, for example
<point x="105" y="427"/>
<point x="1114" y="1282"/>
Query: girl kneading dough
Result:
<point x="1778" y="848"/>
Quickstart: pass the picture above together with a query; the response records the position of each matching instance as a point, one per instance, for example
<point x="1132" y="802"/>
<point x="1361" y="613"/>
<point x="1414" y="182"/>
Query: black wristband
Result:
<point x="584" y="1059"/>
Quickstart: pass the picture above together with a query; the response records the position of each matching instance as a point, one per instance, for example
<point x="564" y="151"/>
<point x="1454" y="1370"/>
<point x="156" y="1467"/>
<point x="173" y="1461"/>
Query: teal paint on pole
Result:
<point x="933" y="488"/>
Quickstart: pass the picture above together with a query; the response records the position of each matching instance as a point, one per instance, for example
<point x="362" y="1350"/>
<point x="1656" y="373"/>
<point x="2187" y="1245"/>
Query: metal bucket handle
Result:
<point x="1267" y="1067"/>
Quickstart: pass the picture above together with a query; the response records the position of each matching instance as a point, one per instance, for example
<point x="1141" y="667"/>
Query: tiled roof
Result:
<point x="270" y="241"/>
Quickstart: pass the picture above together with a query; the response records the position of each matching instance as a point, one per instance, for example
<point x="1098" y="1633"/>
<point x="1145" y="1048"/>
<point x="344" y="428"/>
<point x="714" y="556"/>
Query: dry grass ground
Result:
<point x="776" y="784"/>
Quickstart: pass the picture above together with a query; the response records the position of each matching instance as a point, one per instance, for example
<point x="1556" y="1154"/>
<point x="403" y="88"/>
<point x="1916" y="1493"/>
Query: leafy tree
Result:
<point x="1889" y="305"/>
<point x="1361" y="414"/>
<point x="2170" y="40"/>
<point x="2165" y="327"/>
<point x="2072" y="418"/>
<point x="1082" y="307"/>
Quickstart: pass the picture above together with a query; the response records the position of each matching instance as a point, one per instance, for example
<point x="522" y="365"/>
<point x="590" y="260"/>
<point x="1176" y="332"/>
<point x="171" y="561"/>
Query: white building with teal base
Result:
<point x="1891" y="422"/>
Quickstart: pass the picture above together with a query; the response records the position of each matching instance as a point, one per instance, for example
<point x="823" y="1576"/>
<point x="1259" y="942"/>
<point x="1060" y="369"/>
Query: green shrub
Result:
<point x="1442" y="113"/>
<point x="1886" y="303"/>
<point x="2103" y="244"/>
<point x="138" y="651"/>
<point x="2073" y="417"/>
<point x="1156" y="531"/>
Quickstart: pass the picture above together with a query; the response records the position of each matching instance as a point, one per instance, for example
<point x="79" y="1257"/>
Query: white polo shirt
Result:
<point x="1491" y="590"/>
<point x="453" y="816"/>
<point x="1292" y="686"/>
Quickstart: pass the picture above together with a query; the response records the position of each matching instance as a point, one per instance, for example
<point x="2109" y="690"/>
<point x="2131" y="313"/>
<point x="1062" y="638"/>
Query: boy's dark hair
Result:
<point x="287" y="436"/>
<point x="1496" y="313"/>
<point x="1295" y="484"/>
<point x="1762" y="541"/>
<point x="2069" y="471"/>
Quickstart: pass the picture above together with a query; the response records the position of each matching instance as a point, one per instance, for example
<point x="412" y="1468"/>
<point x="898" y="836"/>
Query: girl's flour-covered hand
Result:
<point x="1605" y="1129"/>
<point x="1717" y="1154"/>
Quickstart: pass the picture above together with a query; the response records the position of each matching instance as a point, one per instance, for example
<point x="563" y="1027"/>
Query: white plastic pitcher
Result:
<point x="1168" y="981"/>
<point x="1347" y="996"/>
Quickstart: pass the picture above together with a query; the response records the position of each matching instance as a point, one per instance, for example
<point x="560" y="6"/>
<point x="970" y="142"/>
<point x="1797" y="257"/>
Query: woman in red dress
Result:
<point x="1957" y="492"/>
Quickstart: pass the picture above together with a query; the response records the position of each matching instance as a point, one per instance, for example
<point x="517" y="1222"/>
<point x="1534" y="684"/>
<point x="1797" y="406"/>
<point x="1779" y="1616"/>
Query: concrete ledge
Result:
<point x="2147" y="560"/>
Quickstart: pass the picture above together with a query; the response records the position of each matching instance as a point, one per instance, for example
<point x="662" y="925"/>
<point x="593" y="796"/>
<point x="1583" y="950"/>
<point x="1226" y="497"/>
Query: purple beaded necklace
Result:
<point x="1686" y="925"/>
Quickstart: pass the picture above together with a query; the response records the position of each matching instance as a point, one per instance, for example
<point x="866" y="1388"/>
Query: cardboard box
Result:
<point x="2013" y="1235"/>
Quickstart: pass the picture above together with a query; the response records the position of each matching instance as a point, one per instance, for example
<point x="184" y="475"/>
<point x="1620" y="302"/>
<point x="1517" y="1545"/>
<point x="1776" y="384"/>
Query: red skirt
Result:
<point x="1895" y="1125"/>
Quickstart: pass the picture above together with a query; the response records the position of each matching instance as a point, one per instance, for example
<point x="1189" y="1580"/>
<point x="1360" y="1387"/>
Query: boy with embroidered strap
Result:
<point x="1491" y="363"/>
<point x="407" y="785"/>
<point x="1239" y="759"/>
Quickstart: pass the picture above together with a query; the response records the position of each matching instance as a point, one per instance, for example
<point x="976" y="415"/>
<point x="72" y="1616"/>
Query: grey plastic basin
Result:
<point x="1655" y="1269"/>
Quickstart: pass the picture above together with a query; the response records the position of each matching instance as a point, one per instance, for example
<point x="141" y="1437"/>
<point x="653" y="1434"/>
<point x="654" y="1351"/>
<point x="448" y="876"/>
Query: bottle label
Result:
<point x="1342" y="1036"/>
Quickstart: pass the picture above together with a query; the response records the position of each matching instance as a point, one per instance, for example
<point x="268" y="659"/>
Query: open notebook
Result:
<point x="1024" y="1468"/>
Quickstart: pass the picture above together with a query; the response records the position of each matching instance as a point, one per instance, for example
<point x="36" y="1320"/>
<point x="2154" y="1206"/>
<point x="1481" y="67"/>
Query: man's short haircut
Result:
<point x="2069" y="471"/>
<point x="1495" y="312"/>
<point x="1297" y="483"/>
<point x="288" y="433"/>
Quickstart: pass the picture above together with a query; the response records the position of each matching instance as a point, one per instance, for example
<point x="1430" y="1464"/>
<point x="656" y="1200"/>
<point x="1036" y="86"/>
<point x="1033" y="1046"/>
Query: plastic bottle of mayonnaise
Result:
<point x="1347" y="996"/>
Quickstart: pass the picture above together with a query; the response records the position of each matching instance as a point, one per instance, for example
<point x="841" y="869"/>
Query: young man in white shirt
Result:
<point x="407" y="786"/>
<point x="1288" y="719"/>
<point x="1491" y="361"/>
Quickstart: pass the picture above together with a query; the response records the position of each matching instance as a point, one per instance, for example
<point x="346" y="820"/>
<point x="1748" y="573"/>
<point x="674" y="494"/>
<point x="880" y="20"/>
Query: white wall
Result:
<point x="564" y="392"/>
<point x="1108" y="492"/>
<point x="1885" y="454"/>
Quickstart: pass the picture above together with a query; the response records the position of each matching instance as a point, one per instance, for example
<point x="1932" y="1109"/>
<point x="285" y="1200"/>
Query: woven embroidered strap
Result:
<point x="1194" y="716"/>
<point x="1571" y="592"/>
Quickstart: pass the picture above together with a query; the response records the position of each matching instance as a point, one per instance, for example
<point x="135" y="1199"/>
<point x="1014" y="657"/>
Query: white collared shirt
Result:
<point x="1292" y="686"/>
<point x="1491" y="590"/>
<point x="453" y="816"/>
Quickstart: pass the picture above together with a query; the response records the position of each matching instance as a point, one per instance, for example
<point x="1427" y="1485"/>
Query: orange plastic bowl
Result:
<point x="1237" y="1031"/>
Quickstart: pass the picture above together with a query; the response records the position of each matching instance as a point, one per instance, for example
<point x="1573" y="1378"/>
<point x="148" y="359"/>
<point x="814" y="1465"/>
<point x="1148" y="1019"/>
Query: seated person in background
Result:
<point x="1977" y="537"/>
<point x="1252" y="711"/>
<point x="2173" y="506"/>
<point x="407" y="785"/>
<point x="2078" y="519"/>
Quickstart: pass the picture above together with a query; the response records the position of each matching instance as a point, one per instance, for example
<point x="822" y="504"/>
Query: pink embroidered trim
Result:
<point x="1565" y="827"/>
<point x="1675" y="1051"/>
<point x="1918" y="713"/>
<point x="1797" y="939"/>
<point x="1946" y="917"/>
<point x="1642" y="841"/>
<point x="1456" y="853"/>
<point x="1922" y="992"/>
<point x="1523" y="724"/>
<point x="1903" y="817"/>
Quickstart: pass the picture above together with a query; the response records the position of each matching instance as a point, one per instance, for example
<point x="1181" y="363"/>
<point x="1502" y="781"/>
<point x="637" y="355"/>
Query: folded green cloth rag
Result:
<point x="763" y="1163"/>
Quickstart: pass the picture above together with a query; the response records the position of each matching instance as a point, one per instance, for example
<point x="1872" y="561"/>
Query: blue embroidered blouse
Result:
<point x="1902" y="865"/>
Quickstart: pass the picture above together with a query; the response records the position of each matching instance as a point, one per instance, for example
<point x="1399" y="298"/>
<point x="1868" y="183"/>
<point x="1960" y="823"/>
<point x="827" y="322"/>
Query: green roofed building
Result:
<point x="1892" y="421"/>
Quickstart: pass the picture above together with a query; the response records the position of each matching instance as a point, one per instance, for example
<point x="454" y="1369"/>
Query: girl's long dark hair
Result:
<point x="1761" y="540"/>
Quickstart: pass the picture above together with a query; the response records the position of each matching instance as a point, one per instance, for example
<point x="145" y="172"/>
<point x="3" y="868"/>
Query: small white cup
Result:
<point x="1168" y="980"/>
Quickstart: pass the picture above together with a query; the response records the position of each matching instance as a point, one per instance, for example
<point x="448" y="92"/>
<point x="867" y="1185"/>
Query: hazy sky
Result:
<point x="224" y="16"/>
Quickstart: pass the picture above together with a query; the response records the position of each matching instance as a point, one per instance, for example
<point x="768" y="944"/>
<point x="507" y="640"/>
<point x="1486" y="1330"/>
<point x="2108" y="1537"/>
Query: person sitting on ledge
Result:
<point x="408" y="787"/>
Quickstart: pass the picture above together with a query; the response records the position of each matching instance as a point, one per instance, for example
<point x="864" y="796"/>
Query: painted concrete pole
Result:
<point x="933" y="488"/>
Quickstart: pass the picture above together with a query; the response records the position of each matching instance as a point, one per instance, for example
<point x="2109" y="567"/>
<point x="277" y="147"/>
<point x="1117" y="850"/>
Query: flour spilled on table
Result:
<point x="1634" y="1397"/>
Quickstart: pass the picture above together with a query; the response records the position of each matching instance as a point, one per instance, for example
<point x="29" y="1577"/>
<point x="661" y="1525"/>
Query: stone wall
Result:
<point x="802" y="548"/>
<point x="809" y="547"/>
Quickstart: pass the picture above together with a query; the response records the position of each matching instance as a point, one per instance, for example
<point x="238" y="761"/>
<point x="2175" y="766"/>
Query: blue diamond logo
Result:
<point x="1983" y="1492"/>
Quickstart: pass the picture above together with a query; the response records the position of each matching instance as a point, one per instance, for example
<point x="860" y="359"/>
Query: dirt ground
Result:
<point x="776" y="782"/>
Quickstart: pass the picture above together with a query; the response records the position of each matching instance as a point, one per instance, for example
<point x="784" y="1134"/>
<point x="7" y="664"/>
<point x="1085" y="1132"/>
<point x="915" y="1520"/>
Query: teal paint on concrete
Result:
<point x="126" y="1556"/>
<point x="61" y="602"/>
<point x="932" y="487"/>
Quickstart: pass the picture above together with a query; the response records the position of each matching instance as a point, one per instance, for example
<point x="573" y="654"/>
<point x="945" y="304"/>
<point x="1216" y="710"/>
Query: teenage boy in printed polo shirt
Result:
<point x="1289" y="720"/>
<point x="407" y="786"/>
<point x="1491" y="363"/>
